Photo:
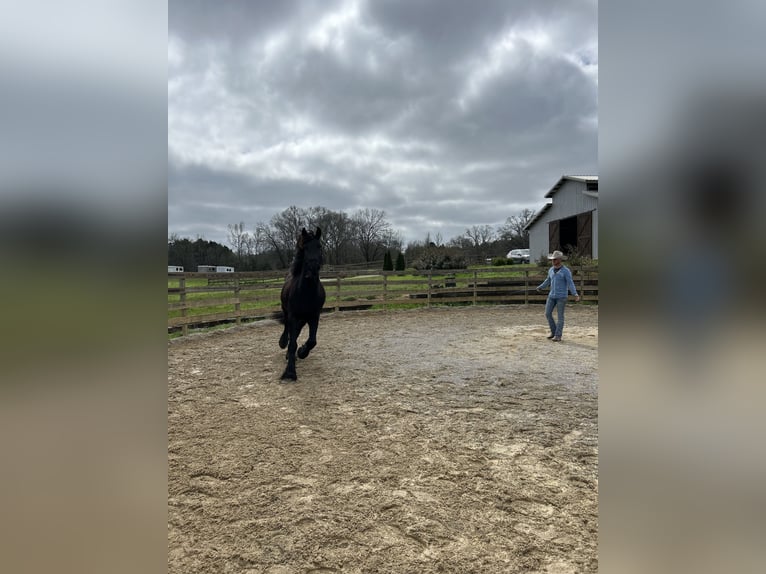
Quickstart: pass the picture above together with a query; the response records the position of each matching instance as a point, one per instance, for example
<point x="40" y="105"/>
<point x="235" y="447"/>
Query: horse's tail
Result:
<point x="279" y="316"/>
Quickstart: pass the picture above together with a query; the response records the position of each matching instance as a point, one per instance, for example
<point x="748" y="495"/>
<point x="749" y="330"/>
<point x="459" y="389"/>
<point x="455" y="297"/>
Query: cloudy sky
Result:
<point x="443" y="113"/>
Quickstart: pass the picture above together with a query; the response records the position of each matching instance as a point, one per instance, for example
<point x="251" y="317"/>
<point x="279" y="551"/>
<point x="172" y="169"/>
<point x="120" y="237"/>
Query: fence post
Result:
<point x="526" y="286"/>
<point x="237" y="313"/>
<point x="582" y="283"/>
<point x="385" y="291"/>
<point x="475" y="284"/>
<point x="182" y="299"/>
<point x="337" y="293"/>
<point x="429" y="288"/>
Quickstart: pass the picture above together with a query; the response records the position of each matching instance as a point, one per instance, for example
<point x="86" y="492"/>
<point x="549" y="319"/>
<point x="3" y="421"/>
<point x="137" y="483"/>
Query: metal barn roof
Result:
<point x="564" y="178"/>
<point x="556" y="187"/>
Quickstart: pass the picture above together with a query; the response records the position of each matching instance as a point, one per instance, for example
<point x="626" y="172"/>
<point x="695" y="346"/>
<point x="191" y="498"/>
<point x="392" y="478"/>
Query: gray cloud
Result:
<point x="444" y="114"/>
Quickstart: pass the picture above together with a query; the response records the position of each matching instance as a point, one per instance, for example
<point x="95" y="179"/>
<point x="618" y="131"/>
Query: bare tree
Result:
<point x="283" y="231"/>
<point x="513" y="228"/>
<point x="288" y="224"/>
<point x="461" y="242"/>
<point x="392" y="240"/>
<point x="337" y="237"/>
<point x="317" y="217"/>
<point x="238" y="239"/>
<point x="257" y="241"/>
<point x="480" y="234"/>
<point x="371" y="228"/>
<point x="364" y="236"/>
<point x="272" y="240"/>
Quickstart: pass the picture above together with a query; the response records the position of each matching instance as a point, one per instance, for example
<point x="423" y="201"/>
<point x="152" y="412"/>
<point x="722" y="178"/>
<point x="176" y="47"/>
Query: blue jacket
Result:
<point x="559" y="283"/>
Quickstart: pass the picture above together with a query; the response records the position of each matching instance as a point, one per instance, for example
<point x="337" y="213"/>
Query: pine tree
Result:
<point x="388" y="265"/>
<point x="400" y="262"/>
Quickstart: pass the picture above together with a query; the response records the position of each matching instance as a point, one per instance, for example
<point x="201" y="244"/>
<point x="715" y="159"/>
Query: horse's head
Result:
<point x="311" y="251"/>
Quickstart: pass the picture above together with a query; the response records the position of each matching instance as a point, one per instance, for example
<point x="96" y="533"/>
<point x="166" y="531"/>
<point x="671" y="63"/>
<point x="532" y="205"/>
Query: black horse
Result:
<point x="302" y="299"/>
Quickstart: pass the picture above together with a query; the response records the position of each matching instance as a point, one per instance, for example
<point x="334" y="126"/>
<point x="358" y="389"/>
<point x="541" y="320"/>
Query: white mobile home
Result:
<point x="214" y="269"/>
<point x="175" y="269"/>
<point x="569" y="222"/>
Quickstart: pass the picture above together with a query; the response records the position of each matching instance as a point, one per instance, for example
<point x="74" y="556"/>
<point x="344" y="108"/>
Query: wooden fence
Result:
<point x="197" y="300"/>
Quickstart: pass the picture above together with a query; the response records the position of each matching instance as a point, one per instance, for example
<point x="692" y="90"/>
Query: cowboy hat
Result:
<point x="556" y="255"/>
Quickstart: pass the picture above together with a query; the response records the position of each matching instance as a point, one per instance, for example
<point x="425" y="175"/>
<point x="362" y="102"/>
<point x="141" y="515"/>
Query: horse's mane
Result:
<point x="297" y="263"/>
<point x="295" y="266"/>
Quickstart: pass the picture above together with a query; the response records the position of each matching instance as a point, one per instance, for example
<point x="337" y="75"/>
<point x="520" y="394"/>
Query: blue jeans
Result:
<point x="550" y="304"/>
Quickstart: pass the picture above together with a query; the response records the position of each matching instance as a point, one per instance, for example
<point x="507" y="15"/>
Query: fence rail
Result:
<point x="197" y="300"/>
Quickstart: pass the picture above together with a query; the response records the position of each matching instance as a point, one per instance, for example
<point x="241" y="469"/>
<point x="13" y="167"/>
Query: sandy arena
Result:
<point x="432" y="440"/>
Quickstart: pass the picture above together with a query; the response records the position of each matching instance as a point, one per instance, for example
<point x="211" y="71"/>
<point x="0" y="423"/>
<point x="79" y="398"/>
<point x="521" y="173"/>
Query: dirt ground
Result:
<point x="431" y="440"/>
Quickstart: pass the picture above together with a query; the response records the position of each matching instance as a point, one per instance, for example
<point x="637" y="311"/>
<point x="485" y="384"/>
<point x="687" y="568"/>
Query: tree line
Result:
<point x="364" y="236"/>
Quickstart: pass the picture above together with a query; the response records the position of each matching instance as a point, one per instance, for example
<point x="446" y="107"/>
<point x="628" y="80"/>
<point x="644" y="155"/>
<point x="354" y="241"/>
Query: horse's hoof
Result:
<point x="282" y="343"/>
<point x="289" y="376"/>
<point x="302" y="353"/>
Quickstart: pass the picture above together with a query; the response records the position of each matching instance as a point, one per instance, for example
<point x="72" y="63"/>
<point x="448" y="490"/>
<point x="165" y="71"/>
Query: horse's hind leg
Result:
<point x="286" y="322"/>
<point x="311" y="342"/>
<point x="289" y="373"/>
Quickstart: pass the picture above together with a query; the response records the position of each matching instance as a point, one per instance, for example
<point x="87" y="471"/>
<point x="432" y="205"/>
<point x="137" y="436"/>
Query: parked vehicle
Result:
<point x="518" y="255"/>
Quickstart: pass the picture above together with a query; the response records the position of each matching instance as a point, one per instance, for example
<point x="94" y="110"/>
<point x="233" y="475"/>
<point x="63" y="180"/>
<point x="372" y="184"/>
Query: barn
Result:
<point x="569" y="221"/>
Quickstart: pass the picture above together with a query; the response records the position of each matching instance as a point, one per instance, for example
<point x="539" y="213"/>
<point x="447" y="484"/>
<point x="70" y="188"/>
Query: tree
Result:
<point x="190" y="253"/>
<point x="239" y="239"/>
<point x="461" y="242"/>
<point x="270" y="238"/>
<point x="480" y="235"/>
<point x="400" y="266"/>
<point x="388" y="264"/>
<point x="392" y="240"/>
<point x="337" y="237"/>
<point x="370" y="228"/>
<point x="282" y="232"/>
<point x="256" y="241"/>
<point x="181" y="252"/>
<point x="513" y="228"/>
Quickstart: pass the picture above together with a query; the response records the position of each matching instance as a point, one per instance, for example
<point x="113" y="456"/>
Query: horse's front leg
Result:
<point x="311" y="342"/>
<point x="292" y="345"/>
<point x="285" y="337"/>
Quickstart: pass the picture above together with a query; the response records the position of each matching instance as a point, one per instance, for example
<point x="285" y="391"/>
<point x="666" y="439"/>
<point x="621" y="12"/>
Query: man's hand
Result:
<point x="577" y="297"/>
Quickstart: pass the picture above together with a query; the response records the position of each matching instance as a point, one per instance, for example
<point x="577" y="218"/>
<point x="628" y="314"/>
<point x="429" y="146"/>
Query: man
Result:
<point x="561" y="284"/>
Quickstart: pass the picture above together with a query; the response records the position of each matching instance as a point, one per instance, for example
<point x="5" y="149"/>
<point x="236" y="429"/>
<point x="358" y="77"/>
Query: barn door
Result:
<point x="585" y="234"/>
<point x="554" y="228"/>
